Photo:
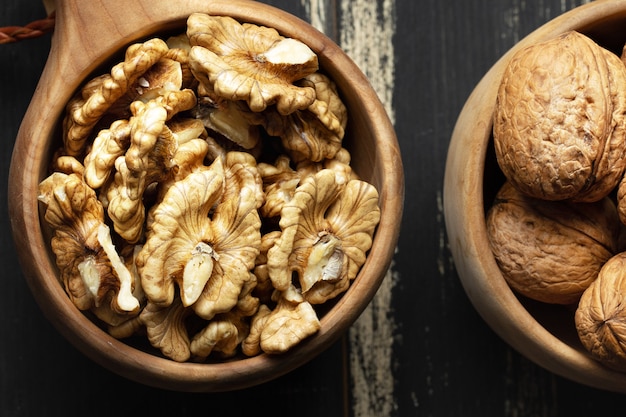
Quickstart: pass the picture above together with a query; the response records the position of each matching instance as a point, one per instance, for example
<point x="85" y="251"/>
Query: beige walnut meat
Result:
<point x="554" y="227"/>
<point x="202" y="196"/>
<point x="94" y="275"/>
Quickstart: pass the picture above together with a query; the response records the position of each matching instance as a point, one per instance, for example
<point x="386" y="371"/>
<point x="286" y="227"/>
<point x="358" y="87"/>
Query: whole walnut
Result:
<point x="601" y="318"/>
<point x="559" y="125"/>
<point x="551" y="251"/>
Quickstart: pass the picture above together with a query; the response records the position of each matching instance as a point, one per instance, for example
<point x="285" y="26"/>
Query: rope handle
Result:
<point x="10" y="34"/>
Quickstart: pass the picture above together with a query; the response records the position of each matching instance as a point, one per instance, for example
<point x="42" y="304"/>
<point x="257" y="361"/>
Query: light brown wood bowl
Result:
<point x="543" y="333"/>
<point x="87" y="35"/>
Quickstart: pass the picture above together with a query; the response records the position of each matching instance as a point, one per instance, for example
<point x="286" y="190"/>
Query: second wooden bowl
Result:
<point x="543" y="333"/>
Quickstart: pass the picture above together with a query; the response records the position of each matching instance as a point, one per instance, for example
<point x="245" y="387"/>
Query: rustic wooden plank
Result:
<point x="420" y="348"/>
<point x="322" y="14"/>
<point x="371" y="337"/>
<point x="366" y="32"/>
<point x="447" y="361"/>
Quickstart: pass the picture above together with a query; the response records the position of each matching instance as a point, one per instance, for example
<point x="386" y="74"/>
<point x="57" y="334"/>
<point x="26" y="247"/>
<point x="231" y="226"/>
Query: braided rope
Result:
<point x="9" y="34"/>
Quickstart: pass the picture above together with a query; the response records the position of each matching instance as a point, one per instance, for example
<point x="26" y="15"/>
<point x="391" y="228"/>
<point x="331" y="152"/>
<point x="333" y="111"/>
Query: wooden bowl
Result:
<point x="545" y="334"/>
<point x="87" y="35"/>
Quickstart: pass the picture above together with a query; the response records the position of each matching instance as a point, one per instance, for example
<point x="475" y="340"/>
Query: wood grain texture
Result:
<point x="444" y="360"/>
<point x="372" y="336"/>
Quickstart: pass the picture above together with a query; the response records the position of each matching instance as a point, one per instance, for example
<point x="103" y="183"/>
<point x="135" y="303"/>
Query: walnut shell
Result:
<point x="559" y="129"/>
<point x="601" y="318"/>
<point x="551" y="251"/>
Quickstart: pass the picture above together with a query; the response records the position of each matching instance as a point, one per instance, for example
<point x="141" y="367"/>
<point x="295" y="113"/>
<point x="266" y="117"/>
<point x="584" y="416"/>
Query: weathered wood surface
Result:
<point x="420" y="348"/>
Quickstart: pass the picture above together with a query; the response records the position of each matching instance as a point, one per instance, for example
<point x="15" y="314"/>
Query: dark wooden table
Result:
<point x="420" y="348"/>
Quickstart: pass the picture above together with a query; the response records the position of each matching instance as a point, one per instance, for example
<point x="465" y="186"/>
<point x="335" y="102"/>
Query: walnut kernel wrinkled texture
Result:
<point x="195" y="180"/>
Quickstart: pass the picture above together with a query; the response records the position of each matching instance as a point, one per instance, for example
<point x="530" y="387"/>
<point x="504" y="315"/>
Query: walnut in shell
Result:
<point x="559" y="129"/>
<point x="551" y="251"/>
<point x="601" y="317"/>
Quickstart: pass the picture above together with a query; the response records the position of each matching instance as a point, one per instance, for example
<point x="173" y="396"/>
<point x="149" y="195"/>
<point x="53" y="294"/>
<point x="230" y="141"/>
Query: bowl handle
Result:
<point x="87" y="31"/>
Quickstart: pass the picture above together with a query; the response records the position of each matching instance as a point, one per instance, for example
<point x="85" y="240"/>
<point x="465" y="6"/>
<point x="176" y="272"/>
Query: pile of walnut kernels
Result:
<point x="556" y="224"/>
<point x="202" y="197"/>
